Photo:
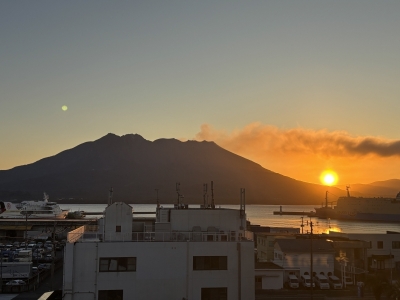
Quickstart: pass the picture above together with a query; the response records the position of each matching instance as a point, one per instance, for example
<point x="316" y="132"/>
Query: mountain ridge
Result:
<point x="135" y="167"/>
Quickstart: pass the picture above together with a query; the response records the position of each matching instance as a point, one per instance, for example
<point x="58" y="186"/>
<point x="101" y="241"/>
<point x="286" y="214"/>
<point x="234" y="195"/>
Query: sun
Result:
<point x="328" y="177"/>
<point x="64" y="108"/>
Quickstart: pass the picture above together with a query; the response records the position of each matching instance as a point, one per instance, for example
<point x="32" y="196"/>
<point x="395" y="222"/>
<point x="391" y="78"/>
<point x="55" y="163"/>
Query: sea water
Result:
<point x="263" y="215"/>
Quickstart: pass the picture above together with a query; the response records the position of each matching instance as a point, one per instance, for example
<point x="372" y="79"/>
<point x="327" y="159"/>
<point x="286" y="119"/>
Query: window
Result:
<point x="210" y="263"/>
<point x="258" y="282"/>
<point x="395" y="244"/>
<point x="220" y="293"/>
<point x="118" y="228"/>
<point x="111" y="294"/>
<point x="117" y="264"/>
<point x="379" y="244"/>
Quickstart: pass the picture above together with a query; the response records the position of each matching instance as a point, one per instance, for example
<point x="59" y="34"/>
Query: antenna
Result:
<point x="178" y="191"/>
<point x="326" y="199"/>
<point x="243" y="206"/>
<point x="212" y="195"/>
<point x="158" y="202"/>
<point x="348" y="190"/>
<point x="110" y="196"/>
<point x="205" y="196"/>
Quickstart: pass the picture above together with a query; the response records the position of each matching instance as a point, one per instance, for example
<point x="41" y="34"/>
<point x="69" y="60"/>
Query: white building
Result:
<point x="189" y="254"/>
<point x="269" y="276"/>
<point x="384" y="250"/>
<point x="294" y="256"/>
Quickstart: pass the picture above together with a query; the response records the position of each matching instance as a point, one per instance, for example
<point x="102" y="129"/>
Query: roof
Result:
<point x="304" y="245"/>
<point x="266" y="265"/>
<point x="382" y="256"/>
<point x="15" y="227"/>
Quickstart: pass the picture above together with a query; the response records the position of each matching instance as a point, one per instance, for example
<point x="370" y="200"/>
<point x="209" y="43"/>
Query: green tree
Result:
<point x="377" y="283"/>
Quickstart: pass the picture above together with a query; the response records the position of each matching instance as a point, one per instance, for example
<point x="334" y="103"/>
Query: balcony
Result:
<point x="82" y="235"/>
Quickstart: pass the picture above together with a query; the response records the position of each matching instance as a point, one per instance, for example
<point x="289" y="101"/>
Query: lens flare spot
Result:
<point x="64" y="107"/>
<point x="328" y="177"/>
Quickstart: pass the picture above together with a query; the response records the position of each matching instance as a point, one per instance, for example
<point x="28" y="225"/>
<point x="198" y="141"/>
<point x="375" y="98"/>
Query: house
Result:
<point x="268" y="276"/>
<point x="350" y="258"/>
<point x="383" y="252"/>
<point x="294" y="256"/>
<point x="266" y="244"/>
<point x="189" y="253"/>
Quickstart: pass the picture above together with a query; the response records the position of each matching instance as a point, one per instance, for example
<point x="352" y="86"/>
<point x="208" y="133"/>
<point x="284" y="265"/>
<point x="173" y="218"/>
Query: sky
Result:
<point x="296" y="86"/>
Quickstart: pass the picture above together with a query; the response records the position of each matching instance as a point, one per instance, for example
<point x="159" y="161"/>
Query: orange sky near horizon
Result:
<point x="304" y="154"/>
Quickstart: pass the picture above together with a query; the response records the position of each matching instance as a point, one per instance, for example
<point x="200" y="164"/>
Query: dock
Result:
<point x="292" y="213"/>
<point x="100" y="213"/>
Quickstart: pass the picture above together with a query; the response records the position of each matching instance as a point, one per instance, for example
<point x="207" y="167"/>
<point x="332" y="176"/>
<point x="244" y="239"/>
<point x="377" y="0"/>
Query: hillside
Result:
<point x="135" y="167"/>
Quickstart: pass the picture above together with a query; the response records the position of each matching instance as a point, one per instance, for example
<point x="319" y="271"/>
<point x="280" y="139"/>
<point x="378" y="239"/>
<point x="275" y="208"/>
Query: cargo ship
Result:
<point x="361" y="209"/>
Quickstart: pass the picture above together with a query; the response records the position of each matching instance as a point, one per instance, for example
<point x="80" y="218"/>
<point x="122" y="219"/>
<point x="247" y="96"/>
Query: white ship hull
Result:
<point x="32" y="210"/>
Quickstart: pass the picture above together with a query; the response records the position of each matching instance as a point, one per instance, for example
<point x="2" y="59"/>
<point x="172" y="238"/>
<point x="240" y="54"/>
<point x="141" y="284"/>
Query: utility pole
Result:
<point x="53" y="255"/>
<point x="311" y="259"/>
<point x="26" y="229"/>
<point x="302" y="224"/>
<point x="158" y="202"/>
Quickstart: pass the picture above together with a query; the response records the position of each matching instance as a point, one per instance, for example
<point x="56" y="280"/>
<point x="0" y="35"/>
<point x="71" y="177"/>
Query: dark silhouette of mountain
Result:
<point x="135" y="167"/>
<point x="388" y="188"/>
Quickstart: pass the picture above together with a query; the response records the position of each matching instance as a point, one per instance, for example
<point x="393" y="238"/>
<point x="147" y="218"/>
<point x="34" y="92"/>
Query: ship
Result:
<point x="43" y="209"/>
<point x="361" y="208"/>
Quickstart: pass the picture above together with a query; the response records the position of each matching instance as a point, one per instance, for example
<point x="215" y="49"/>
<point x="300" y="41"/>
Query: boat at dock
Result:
<point x="43" y="209"/>
<point x="361" y="209"/>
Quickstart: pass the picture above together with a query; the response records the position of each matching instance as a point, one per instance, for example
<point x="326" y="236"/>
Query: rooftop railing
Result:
<point x="173" y="236"/>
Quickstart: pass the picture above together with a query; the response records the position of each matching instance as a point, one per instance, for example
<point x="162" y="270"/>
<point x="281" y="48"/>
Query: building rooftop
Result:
<point x="304" y="245"/>
<point x="267" y="266"/>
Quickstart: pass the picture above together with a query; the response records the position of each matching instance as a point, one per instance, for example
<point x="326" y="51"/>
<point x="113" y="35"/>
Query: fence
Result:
<point x="173" y="236"/>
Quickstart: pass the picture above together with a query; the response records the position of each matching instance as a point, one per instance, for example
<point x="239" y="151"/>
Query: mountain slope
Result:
<point x="387" y="188"/>
<point x="135" y="167"/>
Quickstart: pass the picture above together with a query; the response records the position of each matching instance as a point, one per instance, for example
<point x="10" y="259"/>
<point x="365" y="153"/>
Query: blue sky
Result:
<point x="162" y="69"/>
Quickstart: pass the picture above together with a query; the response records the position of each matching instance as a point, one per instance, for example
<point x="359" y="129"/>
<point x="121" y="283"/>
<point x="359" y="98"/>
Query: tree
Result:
<point x="378" y="284"/>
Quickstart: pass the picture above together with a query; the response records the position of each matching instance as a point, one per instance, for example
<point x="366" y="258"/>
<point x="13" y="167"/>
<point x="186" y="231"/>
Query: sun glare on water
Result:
<point x="328" y="177"/>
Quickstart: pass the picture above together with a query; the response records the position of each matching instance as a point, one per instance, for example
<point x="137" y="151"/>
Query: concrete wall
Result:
<point x="118" y="214"/>
<point x="223" y="219"/>
<point x="322" y="262"/>
<point x="271" y="279"/>
<point x="164" y="270"/>
<point x="387" y="248"/>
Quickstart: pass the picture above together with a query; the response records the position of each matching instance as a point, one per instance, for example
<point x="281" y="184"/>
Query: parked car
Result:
<point x="31" y="246"/>
<point x="348" y="280"/>
<point x="44" y="266"/>
<point x="334" y="282"/>
<point x="306" y="281"/>
<point x="321" y="281"/>
<point x="293" y="282"/>
<point x="16" y="282"/>
<point x="48" y="257"/>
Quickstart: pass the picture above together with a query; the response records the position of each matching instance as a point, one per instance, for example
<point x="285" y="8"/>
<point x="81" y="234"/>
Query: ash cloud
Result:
<point x="256" y="137"/>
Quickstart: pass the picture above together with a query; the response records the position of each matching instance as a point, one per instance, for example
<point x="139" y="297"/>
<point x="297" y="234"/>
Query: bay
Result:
<point x="263" y="215"/>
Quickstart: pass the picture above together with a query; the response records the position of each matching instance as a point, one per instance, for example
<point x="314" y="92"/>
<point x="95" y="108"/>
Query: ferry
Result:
<point x="362" y="209"/>
<point x="43" y="209"/>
